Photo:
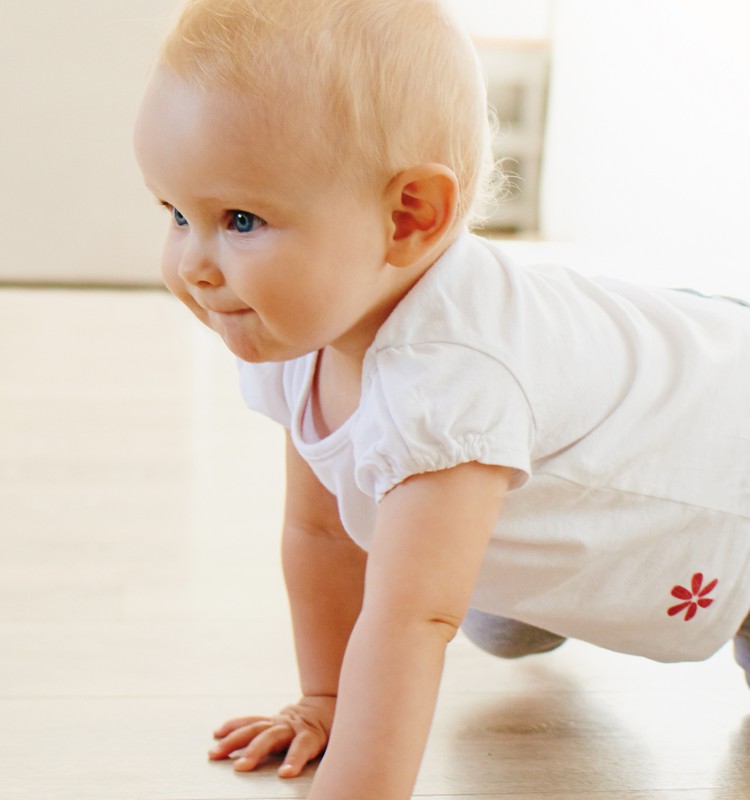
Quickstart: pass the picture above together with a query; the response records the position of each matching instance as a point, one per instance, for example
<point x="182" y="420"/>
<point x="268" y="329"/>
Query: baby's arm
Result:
<point x="430" y="537"/>
<point x="324" y="572"/>
<point x="431" y="534"/>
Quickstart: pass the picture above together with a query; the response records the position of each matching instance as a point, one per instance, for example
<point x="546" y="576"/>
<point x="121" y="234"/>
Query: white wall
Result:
<point x="71" y="201"/>
<point x="507" y="19"/>
<point x="648" y="148"/>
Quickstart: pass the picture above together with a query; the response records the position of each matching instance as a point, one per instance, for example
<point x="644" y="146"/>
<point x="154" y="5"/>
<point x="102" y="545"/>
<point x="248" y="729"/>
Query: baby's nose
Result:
<point x="197" y="267"/>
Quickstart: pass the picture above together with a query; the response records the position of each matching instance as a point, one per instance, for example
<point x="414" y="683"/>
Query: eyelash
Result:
<point x="255" y="221"/>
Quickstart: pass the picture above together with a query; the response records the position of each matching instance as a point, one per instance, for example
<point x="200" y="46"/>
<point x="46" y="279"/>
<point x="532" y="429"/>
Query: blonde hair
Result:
<point x="378" y="85"/>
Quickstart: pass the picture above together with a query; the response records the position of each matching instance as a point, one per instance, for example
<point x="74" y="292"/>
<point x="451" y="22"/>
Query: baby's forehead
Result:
<point x="226" y="116"/>
<point x="231" y="139"/>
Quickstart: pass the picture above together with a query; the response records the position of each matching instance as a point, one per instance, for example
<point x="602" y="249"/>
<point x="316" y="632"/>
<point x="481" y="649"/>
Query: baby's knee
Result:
<point x="742" y="648"/>
<point x="742" y="655"/>
<point x="507" y="638"/>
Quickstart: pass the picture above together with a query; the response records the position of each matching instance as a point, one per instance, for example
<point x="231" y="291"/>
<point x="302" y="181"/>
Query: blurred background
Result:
<point x="625" y="125"/>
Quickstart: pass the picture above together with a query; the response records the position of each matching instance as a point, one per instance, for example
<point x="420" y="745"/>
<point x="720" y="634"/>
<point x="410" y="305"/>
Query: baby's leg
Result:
<point x="742" y="648"/>
<point x="505" y="637"/>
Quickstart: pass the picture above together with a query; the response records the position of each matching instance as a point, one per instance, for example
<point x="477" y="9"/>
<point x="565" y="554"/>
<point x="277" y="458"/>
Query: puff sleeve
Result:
<point x="433" y="406"/>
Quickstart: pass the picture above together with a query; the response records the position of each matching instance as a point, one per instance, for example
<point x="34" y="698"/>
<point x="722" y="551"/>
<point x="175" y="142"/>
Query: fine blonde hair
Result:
<point x="376" y="85"/>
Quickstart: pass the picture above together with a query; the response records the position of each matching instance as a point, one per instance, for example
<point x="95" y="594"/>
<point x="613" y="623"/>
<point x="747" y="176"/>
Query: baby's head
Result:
<point x="316" y="158"/>
<point x="366" y="87"/>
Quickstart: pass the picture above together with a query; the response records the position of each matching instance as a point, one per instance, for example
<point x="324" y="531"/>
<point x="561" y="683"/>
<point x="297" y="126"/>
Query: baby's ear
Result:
<point x="423" y="206"/>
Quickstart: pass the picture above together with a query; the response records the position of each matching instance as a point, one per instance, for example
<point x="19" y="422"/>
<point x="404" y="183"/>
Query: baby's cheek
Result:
<point x="177" y="287"/>
<point x="169" y="262"/>
<point x="173" y="282"/>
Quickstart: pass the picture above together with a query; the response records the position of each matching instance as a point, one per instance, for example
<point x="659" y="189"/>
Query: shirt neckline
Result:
<point x="313" y="447"/>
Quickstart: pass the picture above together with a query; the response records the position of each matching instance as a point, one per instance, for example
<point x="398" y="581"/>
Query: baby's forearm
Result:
<point x="324" y="578"/>
<point x="389" y="685"/>
<point x="325" y="574"/>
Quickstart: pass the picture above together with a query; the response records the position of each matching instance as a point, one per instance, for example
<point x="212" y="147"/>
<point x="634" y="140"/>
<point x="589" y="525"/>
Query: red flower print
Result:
<point x="694" y="597"/>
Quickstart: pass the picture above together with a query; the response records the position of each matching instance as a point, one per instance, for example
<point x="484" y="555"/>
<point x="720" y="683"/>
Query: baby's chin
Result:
<point x="256" y="351"/>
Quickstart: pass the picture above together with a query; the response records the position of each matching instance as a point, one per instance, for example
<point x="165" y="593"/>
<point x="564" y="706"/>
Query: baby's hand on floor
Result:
<point x="300" y="730"/>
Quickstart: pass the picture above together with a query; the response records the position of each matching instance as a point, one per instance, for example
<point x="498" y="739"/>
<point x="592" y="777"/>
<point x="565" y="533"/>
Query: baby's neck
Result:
<point x="336" y="390"/>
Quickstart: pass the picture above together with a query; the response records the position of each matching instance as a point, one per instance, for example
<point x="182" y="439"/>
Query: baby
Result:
<point x="524" y="453"/>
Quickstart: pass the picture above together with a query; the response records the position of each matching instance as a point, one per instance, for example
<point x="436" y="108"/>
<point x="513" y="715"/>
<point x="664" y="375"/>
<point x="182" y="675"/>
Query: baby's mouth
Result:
<point x="230" y="312"/>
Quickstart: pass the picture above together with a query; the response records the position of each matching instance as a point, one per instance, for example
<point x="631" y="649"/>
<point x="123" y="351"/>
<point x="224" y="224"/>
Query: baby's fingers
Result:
<point x="272" y="740"/>
<point x="305" y="747"/>
<point x="233" y="724"/>
<point x="239" y="738"/>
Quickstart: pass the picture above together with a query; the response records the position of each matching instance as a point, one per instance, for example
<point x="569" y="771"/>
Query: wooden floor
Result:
<point x="141" y="601"/>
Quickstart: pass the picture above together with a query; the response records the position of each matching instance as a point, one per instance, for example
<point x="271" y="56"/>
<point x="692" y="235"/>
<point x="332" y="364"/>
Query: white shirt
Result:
<point x="624" y="411"/>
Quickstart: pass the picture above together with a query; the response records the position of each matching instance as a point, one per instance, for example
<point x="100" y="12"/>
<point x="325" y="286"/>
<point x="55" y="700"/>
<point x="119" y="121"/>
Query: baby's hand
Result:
<point x="302" y="730"/>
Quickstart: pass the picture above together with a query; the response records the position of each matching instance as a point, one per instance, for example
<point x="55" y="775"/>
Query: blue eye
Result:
<point x="178" y="218"/>
<point x="245" y="222"/>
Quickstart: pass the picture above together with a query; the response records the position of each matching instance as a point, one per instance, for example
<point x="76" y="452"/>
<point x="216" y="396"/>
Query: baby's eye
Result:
<point x="176" y="215"/>
<point x="245" y="222"/>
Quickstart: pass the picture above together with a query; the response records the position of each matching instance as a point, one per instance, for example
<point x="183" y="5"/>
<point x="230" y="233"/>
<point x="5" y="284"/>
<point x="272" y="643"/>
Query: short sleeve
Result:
<point x="434" y="406"/>
<point x="263" y="390"/>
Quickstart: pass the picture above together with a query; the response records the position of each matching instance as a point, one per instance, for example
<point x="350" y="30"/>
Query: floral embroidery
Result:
<point x="694" y="597"/>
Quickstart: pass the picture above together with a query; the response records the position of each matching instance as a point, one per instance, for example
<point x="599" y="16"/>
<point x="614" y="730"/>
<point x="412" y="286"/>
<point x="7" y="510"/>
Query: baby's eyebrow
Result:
<point x="163" y="204"/>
